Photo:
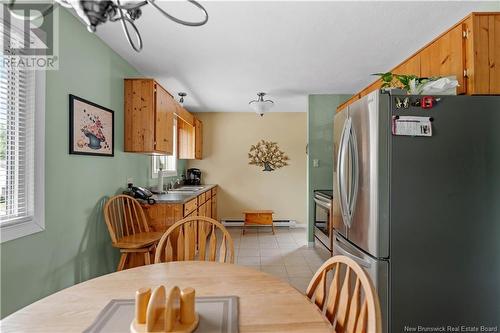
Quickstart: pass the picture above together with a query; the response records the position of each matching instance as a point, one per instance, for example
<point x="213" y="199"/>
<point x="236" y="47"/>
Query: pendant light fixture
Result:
<point x="96" y="12"/>
<point x="181" y="99"/>
<point x="260" y="105"/>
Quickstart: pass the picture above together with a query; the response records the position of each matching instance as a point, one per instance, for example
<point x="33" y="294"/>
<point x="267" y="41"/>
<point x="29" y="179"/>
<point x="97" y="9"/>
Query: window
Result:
<point x="22" y="104"/>
<point x="169" y="162"/>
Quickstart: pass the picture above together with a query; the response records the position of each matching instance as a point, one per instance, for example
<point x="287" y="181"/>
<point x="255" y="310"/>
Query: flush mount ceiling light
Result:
<point x="96" y="12"/>
<point x="260" y="105"/>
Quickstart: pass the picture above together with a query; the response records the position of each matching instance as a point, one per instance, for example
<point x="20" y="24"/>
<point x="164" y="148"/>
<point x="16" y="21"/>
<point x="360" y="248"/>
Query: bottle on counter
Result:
<point x="160" y="178"/>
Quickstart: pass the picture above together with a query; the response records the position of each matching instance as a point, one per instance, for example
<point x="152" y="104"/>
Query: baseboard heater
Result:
<point x="277" y="223"/>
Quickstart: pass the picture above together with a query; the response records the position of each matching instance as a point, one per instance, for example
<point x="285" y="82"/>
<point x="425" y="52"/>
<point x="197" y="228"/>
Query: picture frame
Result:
<point x="91" y="128"/>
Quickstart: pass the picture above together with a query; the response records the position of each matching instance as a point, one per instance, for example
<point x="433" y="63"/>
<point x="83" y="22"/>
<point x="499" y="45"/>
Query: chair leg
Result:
<point x="272" y="225"/>
<point x="147" y="258"/>
<point x="122" y="262"/>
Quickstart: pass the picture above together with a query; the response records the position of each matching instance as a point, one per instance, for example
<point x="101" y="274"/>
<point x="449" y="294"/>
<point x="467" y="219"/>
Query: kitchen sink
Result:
<point x="191" y="188"/>
<point x="186" y="189"/>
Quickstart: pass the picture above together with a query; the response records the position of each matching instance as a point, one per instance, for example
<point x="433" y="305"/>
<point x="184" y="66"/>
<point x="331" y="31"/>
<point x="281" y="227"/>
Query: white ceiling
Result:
<point x="289" y="49"/>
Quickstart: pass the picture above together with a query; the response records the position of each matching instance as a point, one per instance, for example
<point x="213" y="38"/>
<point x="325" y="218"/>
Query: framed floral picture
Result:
<point x="91" y="128"/>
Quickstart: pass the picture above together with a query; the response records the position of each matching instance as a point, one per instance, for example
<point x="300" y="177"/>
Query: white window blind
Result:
<point x="17" y="142"/>
<point x="169" y="162"/>
<point x="20" y="163"/>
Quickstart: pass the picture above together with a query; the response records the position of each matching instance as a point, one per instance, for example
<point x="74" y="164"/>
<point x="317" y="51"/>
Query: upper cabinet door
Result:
<point x="446" y="56"/>
<point x="185" y="140"/>
<point x="483" y="54"/>
<point x="164" y="115"/>
<point x="198" y="139"/>
<point x="139" y="115"/>
<point x="189" y="139"/>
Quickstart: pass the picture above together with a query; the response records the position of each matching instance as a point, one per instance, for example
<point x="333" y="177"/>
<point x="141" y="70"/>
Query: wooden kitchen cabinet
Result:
<point x="482" y="47"/>
<point x="161" y="216"/>
<point x="190" y="206"/>
<point x="208" y="208"/>
<point x="214" y="208"/>
<point x="184" y="115"/>
<point x="202" y="211"/>
<point x="198" y="139"/>
<point x="185" y="140"/>
<point x="412" y="66"/>
<point x="149" y="115"/>
<point x="445" y="56"/>
<point x="149" y="122"/>
<point x="205" y="204"/>
<point x="190" y="140"/>
<point x="470" y="50"/>
<point x="164" y="136"/>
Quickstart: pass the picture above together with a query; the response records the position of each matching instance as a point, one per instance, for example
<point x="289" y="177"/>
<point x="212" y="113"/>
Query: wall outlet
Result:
<point x="130" y="180"/>
<point x="316" y="163"/>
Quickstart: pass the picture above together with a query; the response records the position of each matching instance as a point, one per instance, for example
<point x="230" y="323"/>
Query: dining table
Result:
<point x="265" y="303"/>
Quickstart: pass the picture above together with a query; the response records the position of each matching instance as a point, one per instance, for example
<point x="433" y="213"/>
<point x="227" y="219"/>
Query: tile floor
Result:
<point x="285" y="255"/>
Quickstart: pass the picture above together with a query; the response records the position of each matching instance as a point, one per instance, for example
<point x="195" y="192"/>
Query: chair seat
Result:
<point x="138" y="241"/>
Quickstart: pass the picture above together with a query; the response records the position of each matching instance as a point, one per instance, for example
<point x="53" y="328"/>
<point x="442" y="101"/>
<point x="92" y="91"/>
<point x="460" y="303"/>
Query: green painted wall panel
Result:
<point x="75" y="245"/>
<point x="320" y="146"/>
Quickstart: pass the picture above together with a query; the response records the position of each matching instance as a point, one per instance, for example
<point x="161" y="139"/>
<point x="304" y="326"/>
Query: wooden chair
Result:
<point x="195" y="238"/>
<point x="348" y="310"/>
<point x="129" y="229"/>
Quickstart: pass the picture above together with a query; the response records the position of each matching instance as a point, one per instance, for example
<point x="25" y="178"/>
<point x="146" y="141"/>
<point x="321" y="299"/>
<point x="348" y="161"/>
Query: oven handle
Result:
<point x="323" y="203"/>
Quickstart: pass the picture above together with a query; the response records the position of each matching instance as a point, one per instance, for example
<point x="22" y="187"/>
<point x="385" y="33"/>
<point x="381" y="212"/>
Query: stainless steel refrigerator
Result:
<point x="417" y="204"/>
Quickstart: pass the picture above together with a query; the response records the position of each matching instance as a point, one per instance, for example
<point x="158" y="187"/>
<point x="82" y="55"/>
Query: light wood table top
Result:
<point x="266" y="303"/>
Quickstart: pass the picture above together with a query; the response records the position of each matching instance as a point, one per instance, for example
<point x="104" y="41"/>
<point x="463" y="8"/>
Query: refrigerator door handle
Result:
<point x="341" y="177"/>
<point x="353" y="148"/>
<point x="362" y="262"/>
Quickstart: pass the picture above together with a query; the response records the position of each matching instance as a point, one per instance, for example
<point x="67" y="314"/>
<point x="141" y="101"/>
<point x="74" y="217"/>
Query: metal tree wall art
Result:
<point x="268" y="155"/>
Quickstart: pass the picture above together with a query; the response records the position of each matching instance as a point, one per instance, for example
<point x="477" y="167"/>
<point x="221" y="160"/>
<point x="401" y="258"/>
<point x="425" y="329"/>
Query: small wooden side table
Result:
<point x="259" y="217"/>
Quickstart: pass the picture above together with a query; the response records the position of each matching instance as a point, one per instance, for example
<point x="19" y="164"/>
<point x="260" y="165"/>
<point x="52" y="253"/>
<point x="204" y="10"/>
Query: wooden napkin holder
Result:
<point x="160" y="311"/>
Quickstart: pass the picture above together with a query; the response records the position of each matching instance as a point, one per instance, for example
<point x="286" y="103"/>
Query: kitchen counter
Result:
<point x="181" y="197"/>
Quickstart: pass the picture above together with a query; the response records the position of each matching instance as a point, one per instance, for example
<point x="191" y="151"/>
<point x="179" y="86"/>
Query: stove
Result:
<point x="323" y="231"/>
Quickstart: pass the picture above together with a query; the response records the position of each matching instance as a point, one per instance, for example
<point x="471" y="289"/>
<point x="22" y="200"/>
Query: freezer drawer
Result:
<point x="377" y="270"/>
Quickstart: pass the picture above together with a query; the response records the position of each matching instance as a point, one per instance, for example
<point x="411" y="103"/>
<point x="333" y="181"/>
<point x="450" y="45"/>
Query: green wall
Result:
<point x="75" y="245"/>
<point x="320" y="146"/>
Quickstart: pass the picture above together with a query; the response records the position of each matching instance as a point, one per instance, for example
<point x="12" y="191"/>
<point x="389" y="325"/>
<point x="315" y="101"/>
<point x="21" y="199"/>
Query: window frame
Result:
<point x="167" y="173"/>
<point x="25" y="226"/>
